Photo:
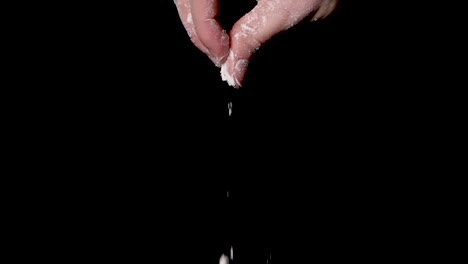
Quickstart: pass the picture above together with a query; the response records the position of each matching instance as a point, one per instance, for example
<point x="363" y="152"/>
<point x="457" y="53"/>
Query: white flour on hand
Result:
<point x="225" y="76"/>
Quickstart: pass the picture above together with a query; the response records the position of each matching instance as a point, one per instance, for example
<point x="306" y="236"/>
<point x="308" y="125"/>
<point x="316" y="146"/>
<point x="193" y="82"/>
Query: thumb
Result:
<point x="265" y="20"/>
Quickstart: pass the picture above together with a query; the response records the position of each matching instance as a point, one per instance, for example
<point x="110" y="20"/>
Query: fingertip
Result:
<point x="233" y="71"/>
<point x="209" y="31"/>
<point x="240" y="69"/>
<point x="220" y="54"/>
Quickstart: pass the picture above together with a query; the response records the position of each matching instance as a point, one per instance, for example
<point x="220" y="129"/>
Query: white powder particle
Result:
<point x="223" y="259"/>
<point x="189" y="19"/>
<point x="246" y="28"/>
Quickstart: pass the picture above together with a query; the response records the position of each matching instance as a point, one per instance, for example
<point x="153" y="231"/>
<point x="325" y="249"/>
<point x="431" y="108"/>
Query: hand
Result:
<point x="232" y="52"/>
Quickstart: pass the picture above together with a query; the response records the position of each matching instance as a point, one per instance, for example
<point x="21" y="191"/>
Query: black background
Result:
<point x="131" y="128"/>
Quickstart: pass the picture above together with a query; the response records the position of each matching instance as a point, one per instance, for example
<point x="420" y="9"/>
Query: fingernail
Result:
<point x="219" y="58"/>
<point x="218" y="61"/>
<point x="240" y="69"/>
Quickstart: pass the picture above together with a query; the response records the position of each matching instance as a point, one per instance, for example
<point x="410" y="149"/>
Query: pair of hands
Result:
<point x="232" y="50"/>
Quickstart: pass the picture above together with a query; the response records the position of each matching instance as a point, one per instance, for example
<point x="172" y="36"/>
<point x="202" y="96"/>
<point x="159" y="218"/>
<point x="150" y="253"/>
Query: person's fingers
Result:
<point x="265" y="20"/>
<point x="208" y="30"/>
<point x="325" y="9"/>
<point x="185" y="14"/>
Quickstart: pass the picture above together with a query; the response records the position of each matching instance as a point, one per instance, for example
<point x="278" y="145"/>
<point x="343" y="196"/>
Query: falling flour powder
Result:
<point x="223" y="259"/>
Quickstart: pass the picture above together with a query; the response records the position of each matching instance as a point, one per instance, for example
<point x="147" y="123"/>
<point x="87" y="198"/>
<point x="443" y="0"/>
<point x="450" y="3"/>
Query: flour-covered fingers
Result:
<point x="185" y="14"/>
<point x="265" y="20"/>
<point x="209" y="31"/>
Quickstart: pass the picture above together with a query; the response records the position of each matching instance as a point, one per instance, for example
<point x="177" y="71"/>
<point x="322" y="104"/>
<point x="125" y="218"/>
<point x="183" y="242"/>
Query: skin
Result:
<point x="233" y="50"/>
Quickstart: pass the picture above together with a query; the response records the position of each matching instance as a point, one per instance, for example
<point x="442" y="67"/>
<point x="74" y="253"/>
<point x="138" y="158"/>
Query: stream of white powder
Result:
<point x="223" y="259"/>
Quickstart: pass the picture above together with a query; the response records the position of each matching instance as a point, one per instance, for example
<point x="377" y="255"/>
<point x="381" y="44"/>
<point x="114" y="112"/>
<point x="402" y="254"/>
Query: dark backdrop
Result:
<point x="134" y="123"/>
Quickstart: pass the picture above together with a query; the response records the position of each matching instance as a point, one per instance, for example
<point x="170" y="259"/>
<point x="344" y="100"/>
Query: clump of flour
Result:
<point x="239" y="69"/>
<point x="227" y="77"/>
